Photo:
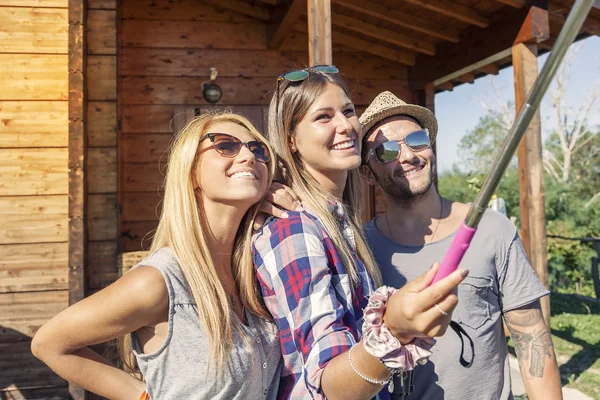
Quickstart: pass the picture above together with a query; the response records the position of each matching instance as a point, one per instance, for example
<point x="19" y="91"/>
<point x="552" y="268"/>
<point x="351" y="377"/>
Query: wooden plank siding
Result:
<point x="25" y="267"/>
<point x="39" y="171"/>
<point x="33" y="76"/>
<point x="35" y="3"/>
<point x="26" y="124"/>
<point x="33" y="188"/>
<point x="33" y="30"/>
<point x="166" y="49"/>
<point x="102" y="228"/>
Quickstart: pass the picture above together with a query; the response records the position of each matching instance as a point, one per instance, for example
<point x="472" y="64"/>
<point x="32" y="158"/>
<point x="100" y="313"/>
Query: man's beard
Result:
<point x="403" y="195"/>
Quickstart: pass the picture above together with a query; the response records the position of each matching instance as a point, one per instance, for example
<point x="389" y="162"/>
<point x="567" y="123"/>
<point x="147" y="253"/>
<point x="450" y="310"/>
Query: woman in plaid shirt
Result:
<point x="314" y="268"/>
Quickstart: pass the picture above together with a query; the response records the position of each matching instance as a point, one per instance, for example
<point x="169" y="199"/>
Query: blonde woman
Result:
<point x="316" y="273"/>
<point x="191" y="308"/>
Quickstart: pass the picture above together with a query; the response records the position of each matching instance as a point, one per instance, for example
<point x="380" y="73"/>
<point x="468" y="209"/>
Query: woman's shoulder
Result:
<point x="297" y="223"/>
<point x="145" y="286"/>
<point x="163" y="256"/>
<point x="165" y="261"/>
<point x="299" y="230"/>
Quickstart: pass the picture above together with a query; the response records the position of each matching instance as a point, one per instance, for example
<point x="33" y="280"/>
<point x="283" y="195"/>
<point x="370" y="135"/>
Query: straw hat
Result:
<point x="387" y="105"/>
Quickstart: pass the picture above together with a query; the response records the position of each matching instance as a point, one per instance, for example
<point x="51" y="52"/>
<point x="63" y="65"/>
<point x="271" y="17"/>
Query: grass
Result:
<point x="575" y="326"/>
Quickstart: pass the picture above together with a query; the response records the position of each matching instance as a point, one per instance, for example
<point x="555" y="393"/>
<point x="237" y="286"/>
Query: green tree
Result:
<point x="583" y="168"/>
<point x="479" y="147"/>
<point x="572" y="187"/>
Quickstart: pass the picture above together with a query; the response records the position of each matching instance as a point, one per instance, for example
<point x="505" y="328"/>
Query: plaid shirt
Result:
<point x="308" y="291"/>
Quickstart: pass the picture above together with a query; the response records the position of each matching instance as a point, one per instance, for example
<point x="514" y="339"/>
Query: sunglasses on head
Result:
<point x="229" y="146"/>
<point x="389" y="151"/>
<point x="301" y="74"/>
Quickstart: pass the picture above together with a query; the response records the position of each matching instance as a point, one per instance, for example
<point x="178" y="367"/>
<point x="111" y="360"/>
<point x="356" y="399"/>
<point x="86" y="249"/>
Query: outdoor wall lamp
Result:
<point x="212" y="92"/>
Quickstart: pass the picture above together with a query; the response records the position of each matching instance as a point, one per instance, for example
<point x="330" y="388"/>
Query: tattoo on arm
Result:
<point x="540" y="348"/>
<point x="521" y="341"/>
<point x="531" y="337"/>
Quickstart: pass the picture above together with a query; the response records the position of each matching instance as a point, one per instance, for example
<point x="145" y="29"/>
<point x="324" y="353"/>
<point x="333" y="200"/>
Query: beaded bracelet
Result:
<point x="373" y="381"/>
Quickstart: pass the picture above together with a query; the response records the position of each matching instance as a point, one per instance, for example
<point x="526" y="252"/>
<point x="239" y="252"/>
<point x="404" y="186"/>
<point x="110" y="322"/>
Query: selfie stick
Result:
<point x="467" y="229"/>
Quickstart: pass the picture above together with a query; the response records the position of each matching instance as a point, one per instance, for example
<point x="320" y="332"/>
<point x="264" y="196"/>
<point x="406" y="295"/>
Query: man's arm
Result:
<point x="533" y="344"/>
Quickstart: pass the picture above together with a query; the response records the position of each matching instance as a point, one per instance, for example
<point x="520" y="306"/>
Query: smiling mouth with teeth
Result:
<point x="343" y="146"/>
<point x="412" y="171"/>
<point x="243" y="174"/>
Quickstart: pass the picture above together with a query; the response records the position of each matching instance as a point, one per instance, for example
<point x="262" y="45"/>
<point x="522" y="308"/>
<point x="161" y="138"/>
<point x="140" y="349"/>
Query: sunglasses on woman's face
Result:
<point x="389" y="151"/>
<point x="229" y="146"/>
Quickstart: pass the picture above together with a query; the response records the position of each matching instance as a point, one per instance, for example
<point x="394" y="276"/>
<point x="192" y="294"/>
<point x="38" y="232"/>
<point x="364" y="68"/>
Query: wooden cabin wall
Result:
<point x="33" y="188"/>
<point x="165" y="51"/>
<point x="101" y="84"/>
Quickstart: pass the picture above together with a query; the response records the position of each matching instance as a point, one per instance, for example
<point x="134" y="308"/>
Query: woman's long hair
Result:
<point x="182" y="227"/>
<point x="288" y="107"/>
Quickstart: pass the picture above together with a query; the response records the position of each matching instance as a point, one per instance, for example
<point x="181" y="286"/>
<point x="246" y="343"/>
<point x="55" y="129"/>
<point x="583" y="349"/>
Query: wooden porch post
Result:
<point x="77" y="159"/>
<point x="430" y="104"/>
<point x="531" y="173"/>
<point x="319" y="32"/>
<point x="368" y="201"/>
<point x="426" y="97"/>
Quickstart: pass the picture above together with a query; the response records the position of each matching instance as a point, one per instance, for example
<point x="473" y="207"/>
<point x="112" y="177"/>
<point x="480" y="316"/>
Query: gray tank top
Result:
<point x="179" y="368"/>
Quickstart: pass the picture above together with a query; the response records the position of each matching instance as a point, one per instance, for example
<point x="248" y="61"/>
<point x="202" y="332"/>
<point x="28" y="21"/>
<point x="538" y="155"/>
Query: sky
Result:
<point x="458" y="111"/>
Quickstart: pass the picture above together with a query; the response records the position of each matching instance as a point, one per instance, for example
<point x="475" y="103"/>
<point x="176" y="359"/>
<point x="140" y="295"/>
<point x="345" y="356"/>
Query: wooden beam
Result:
<point x="476" y="44"/>
<point x="467" y="78"/>
<point x="383" y="34"/>
<point x="412" y="22"/>
<point x="454" y="10"/>
<point x="283" y="22"/>
<point x="426" y="98"/>
<point x="430" y="104"/>
<point x="319" y="32"/>
<point x="514" y="3"/>
<point x="77" y="149"/>
<point x="242" y="8"/>
<point x="473" y="67"/>
<point x="449" y="86"/>
<point x="531" y="172"/>
<point x="368" y="47"/>
<point x="555" y="14"/>
<point x="269" y="2"/>
<point x="548" y="44"/>
<point x="430" y="97"/>
<point x="77" y="160"/>
<point x="399" y="56"/>
<point x="535" y="28"/>
<point x="367" y="193"/>
<point x="491" y="69"/>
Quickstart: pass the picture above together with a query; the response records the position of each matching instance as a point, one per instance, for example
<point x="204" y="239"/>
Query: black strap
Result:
<point x="404" y="387"/>
<point x="461" y="332"/>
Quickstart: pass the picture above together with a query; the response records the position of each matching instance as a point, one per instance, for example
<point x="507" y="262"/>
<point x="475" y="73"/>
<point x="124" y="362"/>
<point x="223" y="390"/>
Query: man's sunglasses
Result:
<point x="300" y="75"/>
<point x="229" y="146"/>
<point x="389" y="151"/>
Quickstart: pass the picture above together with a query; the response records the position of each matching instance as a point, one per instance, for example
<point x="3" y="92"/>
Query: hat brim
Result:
<point x="425" y="117"/>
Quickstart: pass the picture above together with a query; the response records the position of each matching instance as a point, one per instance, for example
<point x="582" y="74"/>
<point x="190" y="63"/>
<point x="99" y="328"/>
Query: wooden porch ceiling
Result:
<point x="445" y="42"/>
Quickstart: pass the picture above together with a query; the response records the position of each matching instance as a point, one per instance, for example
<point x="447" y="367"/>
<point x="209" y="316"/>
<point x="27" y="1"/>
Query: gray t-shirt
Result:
<point x="500" y="279"/>
<point x="179" y="368"/>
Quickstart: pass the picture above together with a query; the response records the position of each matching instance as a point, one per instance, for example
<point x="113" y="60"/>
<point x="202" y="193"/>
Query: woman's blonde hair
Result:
<point x="182" y="228"/>
<point x="288" y="107"/>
